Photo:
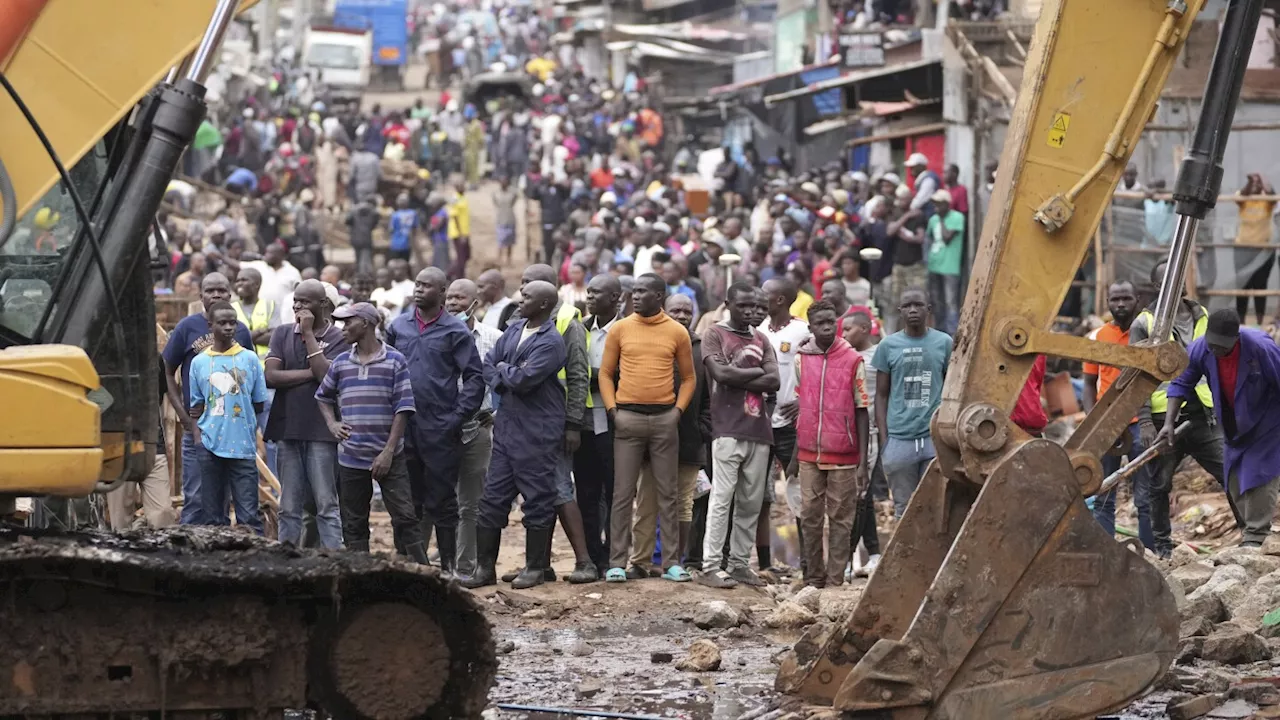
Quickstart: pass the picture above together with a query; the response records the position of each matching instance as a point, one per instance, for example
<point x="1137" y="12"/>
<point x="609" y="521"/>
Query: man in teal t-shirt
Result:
<point x="228" y="390"/>
<point x="945" y="238"/>
<point x="910" y="366"/>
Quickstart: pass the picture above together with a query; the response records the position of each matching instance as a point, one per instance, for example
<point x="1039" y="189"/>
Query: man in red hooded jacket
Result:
<point x="831" y="440"/>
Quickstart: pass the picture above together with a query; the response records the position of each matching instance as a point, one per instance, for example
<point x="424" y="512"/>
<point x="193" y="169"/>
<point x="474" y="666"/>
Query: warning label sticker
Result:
<point x="1058" y="132"/>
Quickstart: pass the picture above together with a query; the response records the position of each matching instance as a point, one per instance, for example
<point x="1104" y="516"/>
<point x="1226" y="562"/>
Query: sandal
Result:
<point x="675" y="573"/>
<point x="615" y="575"/>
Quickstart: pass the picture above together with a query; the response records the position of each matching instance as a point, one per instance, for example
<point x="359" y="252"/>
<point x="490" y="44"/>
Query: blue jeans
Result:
<point x="309" y="469"/>
<point x="904" y="463"/>
<point x="1104" y="506"/>
<point x="262" y="427"/>
<point x="194" y="509"/>
<point x="218" y="475"/>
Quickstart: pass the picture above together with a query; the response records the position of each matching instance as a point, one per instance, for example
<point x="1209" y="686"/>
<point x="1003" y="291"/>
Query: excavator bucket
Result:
<point x="1033" y="612"/>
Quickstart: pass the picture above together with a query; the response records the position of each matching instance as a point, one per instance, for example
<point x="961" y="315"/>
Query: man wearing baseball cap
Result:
<point x="369" y="385"/>
<point x="924" y="183"/>
<point x="1243" y="368"/>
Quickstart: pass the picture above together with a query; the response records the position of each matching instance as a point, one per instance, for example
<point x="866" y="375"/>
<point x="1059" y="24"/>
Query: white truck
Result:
<point x="339" y="60"/>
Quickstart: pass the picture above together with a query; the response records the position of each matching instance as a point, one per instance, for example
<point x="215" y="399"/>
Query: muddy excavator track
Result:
<point x="194" y="621"/>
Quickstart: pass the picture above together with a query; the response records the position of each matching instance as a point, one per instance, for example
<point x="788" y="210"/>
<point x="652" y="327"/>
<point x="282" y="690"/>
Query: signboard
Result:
<point x="862" y="49"/>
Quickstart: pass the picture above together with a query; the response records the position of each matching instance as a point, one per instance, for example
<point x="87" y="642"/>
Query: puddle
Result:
<point x="619" y="676"/>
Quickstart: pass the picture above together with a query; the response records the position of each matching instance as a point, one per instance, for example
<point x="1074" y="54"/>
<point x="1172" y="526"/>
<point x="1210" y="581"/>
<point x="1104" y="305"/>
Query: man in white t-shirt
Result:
<point x="786" y="334"/>
<point x="279" y="277"/>
<point x="386" y="296"/>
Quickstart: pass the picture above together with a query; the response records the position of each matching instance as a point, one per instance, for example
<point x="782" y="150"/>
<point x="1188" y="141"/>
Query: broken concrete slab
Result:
<point x="716" y="614"/>
<point x="703" y="656"/>
<point x="1192" y="575"/>
<point x="1231" y="645"/>
<point x="790" y="615"/>
<point x="1196" y="707"/>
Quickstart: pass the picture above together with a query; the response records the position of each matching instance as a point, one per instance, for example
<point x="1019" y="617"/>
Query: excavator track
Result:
<point x="195" y="621"/>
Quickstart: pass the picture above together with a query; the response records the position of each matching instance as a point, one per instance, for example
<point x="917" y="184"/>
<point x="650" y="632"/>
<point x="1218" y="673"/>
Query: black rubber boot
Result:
<point x="488" y="540"/>
<point x="417" y="552"/>
<point x="583" y="573"/>
<point x="358" y="546"/>
<point x="535" y="559"/>
<point x="447" y="541"/>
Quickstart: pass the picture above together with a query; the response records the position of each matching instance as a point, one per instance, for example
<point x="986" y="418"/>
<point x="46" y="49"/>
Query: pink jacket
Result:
<point x="827" y="431"/>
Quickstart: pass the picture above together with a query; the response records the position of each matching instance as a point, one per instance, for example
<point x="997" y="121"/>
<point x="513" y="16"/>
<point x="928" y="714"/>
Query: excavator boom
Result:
<point x="999" y="595"/>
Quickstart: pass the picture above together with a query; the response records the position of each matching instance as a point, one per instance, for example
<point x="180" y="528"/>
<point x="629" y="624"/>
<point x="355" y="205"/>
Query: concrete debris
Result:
<point x="808" y="598"/>
<point x="1184" y="554"/>
<point x="1204" y="606"/>
<point x="581" y="648"/>
<point x="1195" y="627"/>
<point x="506" y="647"/>
<point x="1233" y="709"/>
<point x="835" y="604"/>
<point x="1229" y="583"/>
<point x="517" y="600"/>
<point x="588" y="689"/>
<point x="1192" y="575"/>
<point x="790" y="615"/>
<point x="1257" y="693"/>
<point x="1190" y="708"/>
<point x="659" y="657"/>
<point x="738" y="633"/>
<point x="716" y="614"/>
<point x="1251" y="559"/>
<point x="1231" y="645"/>
<point x="704" y="656"/>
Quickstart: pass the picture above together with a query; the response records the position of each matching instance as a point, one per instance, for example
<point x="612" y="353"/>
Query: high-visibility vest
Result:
<point x="261" y="320"/>
<point x="1160" y="398"/>
<point x="568" y="313"/>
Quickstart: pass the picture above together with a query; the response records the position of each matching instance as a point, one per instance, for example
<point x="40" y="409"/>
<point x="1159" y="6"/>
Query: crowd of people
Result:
<point x="652" y="383"/>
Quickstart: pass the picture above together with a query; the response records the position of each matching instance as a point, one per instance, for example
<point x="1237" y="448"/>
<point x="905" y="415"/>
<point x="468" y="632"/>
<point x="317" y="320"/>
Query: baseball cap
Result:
<point x="891" y="177"/>
<point x="811" y="188"/>
<point x="941" y="196"/>
<point x="1223" y="329"/>
<point x="608" y="198"/>
<point x="917" y="159"/>
<point x="362" y="310"/>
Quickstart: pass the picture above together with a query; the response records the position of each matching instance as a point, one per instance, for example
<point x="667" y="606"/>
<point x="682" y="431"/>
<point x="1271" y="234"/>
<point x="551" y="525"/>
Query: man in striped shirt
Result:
<point x="370" y="386"/>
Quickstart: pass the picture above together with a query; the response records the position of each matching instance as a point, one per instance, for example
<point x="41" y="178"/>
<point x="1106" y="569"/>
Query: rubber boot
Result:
<point x="417" y="552"/>
<point x="488" y="541"/>
<point x="535" y="558"/>
<point x="358" y="546"/>
<point x="447" y="541"/>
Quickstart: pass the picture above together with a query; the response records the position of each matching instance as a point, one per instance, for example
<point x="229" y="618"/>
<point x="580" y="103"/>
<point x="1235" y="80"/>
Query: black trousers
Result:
<point x="433" y="477"/>
<point x="355" y="492"/>
<point x="865" y="514"/>
<point x="1257" y="281"/>
<point x="593" y="484"/>
<point x="1202" y="441"/>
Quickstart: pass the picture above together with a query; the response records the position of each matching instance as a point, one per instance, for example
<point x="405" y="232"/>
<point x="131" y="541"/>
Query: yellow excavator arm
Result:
<point x="999" y="595"/>
<point x="84" y="410"/>
<point x="81" y="67"/>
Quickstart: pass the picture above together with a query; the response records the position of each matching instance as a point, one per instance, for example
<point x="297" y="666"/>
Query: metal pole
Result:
<point x="1171" y="286"/>
<point x="205" y="56"/>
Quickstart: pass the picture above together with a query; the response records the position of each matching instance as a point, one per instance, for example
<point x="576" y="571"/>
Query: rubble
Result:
<point x="1252" y="560"/>
<point x="658" y="657"/>
<point x="835" y="604"/>
<point x="1229" y="583"/>
<point x="1192" y="575"/>
<point x="807" y="598"/>
<point x="588" y="689"/>
<point x="704" y="656"/>
<point x="716" y="614"/>
<point x="506" y="647"/>
<point x="1232" y="645"/>
<point x="790" y="615"/>
<point x="581" y="648"/>
<point x="1189" y="708"/>
<point x="1233" y="709"/>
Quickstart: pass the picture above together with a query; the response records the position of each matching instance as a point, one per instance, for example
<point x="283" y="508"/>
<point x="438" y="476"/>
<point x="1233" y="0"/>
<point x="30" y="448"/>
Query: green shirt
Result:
<point x="944" y="257"/>
<point x="916" y="369"/>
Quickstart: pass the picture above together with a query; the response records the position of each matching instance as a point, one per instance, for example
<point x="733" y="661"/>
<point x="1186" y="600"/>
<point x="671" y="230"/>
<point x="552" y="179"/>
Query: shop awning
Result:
<point x="851" y="79"/>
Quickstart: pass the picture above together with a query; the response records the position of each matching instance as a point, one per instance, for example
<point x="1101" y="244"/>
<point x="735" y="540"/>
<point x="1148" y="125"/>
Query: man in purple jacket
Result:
<point x="1243" y="368"/>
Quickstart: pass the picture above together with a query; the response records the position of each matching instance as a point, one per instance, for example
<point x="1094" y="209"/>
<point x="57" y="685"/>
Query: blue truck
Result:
<point x="387" y="19"/>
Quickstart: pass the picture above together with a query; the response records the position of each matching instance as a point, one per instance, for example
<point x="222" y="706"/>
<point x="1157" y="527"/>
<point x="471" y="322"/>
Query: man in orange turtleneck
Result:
<point x="644" y="409"/>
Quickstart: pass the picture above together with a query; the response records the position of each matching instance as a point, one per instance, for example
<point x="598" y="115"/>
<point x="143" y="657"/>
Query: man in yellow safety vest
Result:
<point x="1202" y="440"/>
<point x="260" y="315"/>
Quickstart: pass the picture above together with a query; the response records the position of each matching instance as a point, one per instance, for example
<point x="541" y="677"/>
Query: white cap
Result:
<point x="917" y="160"/>
<point x="811" y="188"/>
<point x="941" y="196"/>
<point x="451" y="106"/>
<point x="608" y="198"/>
<point x="662" y="227"/>
<point x="903" y="192"/>
<point x="642" y="223"/>
<point x="331" y="292"/>
<point x="891" y="177"/>
<point x="859" y="176"/>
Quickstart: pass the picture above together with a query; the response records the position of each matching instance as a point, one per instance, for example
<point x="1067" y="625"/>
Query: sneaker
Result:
<point x="747" y="577"/>
<point x="872" y="563"/>
<point x="719" y="580"/>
